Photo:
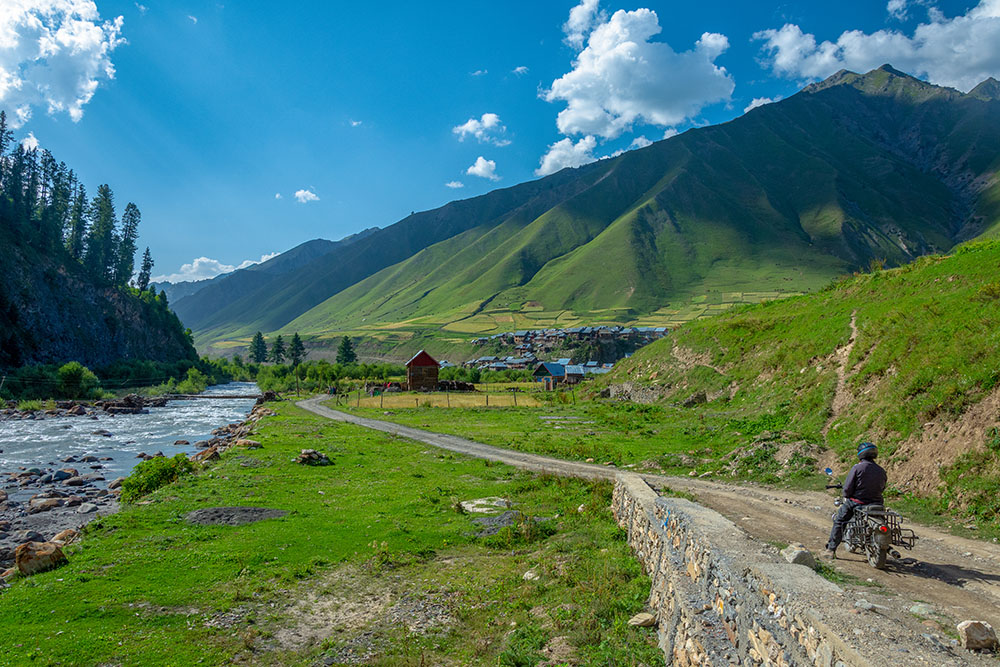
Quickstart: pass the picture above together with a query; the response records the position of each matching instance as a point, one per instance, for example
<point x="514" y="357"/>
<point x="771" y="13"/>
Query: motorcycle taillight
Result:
<point x="884" y="529"/>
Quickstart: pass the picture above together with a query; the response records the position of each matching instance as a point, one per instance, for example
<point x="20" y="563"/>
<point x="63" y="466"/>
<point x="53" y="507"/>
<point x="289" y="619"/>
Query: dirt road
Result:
<point x="958" y="578"/>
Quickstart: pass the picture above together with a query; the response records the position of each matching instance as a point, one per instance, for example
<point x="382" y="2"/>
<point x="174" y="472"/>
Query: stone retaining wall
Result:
<point x="722" y="598"/>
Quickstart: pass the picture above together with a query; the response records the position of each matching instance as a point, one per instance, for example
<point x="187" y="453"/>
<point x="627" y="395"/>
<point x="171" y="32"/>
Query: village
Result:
<point x="423" y="369"/>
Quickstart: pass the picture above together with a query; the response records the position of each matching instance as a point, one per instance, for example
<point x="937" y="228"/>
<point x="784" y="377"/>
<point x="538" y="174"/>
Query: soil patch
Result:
<point x="232" y="516"/>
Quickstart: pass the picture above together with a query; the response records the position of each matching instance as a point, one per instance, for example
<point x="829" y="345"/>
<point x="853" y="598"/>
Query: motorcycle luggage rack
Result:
<point x="900" y="537"/>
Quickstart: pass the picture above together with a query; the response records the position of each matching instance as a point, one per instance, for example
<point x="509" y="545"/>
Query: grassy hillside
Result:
<point x="906" y="357"/>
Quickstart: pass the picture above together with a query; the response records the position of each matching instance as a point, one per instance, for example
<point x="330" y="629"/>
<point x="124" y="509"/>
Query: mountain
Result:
<point x="194" y="305"/>
<point x="858" y="168"/>
<point x="52" y="311"/>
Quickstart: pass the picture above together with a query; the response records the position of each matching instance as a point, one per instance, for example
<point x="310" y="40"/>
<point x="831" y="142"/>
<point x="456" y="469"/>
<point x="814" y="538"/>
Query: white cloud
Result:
<point x="897" y="9"/>
<point x="483" y="168"/>
<point x="638" y="142"/>
<point x="480" y="72"/>
<point x="564" y="153"/>
<point x="670" y="132"/>
<point x="520" y="69"/>
<point x="581" y="21"/>
<point x="29" y="142"/>
<point x="487" y="129"/>
<point x="960" y="51"/>
<point x="760" y="101"/>
<point x="193" y="19"/>
<point x="53" y="54"/>
<point x="277" y="195"/>
<point x="355" y="123"/>
<point x="142" y="8"/>
<point x="454" y="185"/>
<point x="305" y="196"/>
<point x="621" y="77"/>
<point x="204" y="268"/>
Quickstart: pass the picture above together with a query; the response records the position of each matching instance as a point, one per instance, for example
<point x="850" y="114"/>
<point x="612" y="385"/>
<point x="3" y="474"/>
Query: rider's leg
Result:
<point x="844" y="515"/>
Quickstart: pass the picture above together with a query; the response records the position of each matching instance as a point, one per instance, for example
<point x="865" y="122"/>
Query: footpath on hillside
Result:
<point x="944" y="580"/>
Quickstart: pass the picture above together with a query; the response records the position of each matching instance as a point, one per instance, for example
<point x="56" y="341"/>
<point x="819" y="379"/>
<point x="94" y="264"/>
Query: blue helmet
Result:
<point x="867" y="450"/>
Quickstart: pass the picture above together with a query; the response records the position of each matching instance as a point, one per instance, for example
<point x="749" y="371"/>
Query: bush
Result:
<point x="150" y="475"/>
<point x="76" y="381"/>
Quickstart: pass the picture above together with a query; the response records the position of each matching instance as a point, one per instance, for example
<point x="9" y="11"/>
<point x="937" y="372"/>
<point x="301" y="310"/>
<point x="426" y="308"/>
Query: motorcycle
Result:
<point x="874" y="530"/>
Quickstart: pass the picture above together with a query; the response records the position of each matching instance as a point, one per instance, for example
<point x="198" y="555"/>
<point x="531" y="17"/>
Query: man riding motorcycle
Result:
<point x="864" y="486"/>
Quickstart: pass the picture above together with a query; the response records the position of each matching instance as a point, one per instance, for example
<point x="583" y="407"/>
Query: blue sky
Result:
<point x="370" y="112"/>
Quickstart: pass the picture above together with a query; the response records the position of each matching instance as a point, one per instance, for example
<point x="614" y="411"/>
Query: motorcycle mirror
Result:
<point x="828" y="471"/>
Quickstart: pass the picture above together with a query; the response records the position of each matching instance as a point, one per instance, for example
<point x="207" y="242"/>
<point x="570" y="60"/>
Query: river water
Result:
<point x="43" y="442"/>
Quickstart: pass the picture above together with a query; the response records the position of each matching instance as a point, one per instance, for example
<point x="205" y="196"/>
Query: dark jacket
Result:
<point x="865" y="483"/>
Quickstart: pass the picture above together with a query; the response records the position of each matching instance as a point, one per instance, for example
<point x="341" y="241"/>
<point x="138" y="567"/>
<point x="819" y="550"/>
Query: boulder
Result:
<point x="43" y="505"/>
<point x="977" y="635"/>
<point x="181" y="443"/>
<point x="799" y="555"/>
<point x="530" y="575"/>
<point x="65" y="537"/>
<point x="87" y="508"/>
<point x="78" y="410"/>
<point x="311" y="457"/>
<point x="88" y="459"/>
<point x="33" y="557"/>
<point x="115" y="483"/>
<point x="102" y="432"/>
<point x="3" y="496"/>
<point x="210" y="454"/>
<point x="8" y="574"/>
<point x="75" y="481"/>
<point x="65" y="473"/>
<point x="248" y="444"/>
<point x="22" y="536"/>
<point x="643" y="620"/>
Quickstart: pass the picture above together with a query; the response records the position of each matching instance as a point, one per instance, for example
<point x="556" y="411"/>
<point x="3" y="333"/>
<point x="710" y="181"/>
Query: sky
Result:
<point x="243" y="129"/>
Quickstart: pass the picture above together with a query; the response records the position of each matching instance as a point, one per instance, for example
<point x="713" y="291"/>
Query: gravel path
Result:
<point x="959" y="578"/>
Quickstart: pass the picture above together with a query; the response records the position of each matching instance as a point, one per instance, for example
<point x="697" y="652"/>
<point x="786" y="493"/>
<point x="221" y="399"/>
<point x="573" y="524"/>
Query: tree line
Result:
<point x="45" y="206"/>
<point x="259" y="352"/>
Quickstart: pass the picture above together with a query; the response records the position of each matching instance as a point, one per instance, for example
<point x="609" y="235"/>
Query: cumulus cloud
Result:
<point x="203" y="268"/>
<point x="53" y="54"/>
<point x="30" y="143"/>
<point x="306" y="196"/>
<point x="581" y="21"/>
<point x="897" y="9"/>
<point x="520" y="69"/>
<point x="638" y="142"/>
<point x="454" y="185"/>
<point x="483" y="168"/>
<point x="564" y="153"/>
<point x="670" y="132"/>
<point x="487" y="129"/>
<point x="760" y="101"/>
<point x="960" y="51"/>
<point x="621" y="77"/>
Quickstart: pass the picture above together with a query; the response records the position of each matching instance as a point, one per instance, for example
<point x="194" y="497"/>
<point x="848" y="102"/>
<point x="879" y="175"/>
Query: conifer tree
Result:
<point x="278" y="350"/>
<point x="345" y="352"/>
<point x="296" y="350"/>
<point x="142" y="281"/>
<point x="77" y="228"/>
<point x="125" y="255"/>
<point x="258" y="348"/>
<point x="100" y="254"/>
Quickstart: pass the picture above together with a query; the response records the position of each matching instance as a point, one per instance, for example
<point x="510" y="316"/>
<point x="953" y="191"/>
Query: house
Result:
<point x="421" y="372"/>
<point x="549" y="370"/>
<point x="574" y="373"/>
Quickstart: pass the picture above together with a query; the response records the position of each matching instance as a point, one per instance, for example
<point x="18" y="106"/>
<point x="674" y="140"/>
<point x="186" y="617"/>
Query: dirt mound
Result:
<point x="231" y="516"/>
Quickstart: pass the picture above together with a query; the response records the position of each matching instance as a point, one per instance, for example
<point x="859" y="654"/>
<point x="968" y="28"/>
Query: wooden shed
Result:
<point x="422" y="372"/>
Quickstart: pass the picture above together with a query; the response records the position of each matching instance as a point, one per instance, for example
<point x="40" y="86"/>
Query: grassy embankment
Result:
<point x="927" y="353"/>
<point x="369" y="544"/>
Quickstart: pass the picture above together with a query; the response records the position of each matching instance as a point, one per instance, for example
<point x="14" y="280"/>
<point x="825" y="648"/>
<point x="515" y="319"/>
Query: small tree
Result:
<point x="278" y="350"/>
<point x="258" y="348"/>
<point x="145" y="270"/>
<point x="296" y="350"/>
<point x="76" y="381"/>
<point x="345" y="352"/>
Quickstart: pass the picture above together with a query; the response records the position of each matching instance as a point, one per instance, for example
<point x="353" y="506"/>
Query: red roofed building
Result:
<point x="422" y="372"/>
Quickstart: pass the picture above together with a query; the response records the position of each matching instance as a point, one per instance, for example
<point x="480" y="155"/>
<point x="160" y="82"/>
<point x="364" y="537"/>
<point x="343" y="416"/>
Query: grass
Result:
<point x="454" y="400"/>
<point x="145" y="587"/>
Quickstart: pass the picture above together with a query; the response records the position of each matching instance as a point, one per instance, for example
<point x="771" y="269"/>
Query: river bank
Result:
<point x="63" y="467"/>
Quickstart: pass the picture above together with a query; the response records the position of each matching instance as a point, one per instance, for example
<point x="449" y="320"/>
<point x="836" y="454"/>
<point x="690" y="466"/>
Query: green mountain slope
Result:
<point x="879" y="166"/>
<point x="856" y="168"/>
<point x="908" y="358"/>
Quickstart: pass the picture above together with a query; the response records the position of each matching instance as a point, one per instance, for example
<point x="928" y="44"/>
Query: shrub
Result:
<point x="150" y="475"/>
<point x="76" y="381"/>
<point x="29" y="406"/>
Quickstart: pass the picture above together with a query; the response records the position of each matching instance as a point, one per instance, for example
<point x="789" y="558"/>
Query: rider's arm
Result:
<point x="851" y="482"/>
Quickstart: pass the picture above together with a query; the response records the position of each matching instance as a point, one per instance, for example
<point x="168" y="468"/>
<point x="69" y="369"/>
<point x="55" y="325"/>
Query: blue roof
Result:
<point x="564" y="361"/>
<point x="574" y="370"/>
<point x="549" y="368"/>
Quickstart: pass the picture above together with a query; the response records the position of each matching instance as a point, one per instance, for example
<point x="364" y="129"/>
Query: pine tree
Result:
<point x="345" y="352"/>
<point x="142" y="282"/>
<point x="77" y="231"/>
<point x="258" y="348"/>
<point x="101" y="245"/>
<point x="296" y="350"/>
<point x="278" y="350"/>
<point x="125" y="255"/>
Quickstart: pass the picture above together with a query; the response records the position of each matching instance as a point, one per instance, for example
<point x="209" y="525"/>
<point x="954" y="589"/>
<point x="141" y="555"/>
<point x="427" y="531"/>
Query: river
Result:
<point x="43" y="443"/>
